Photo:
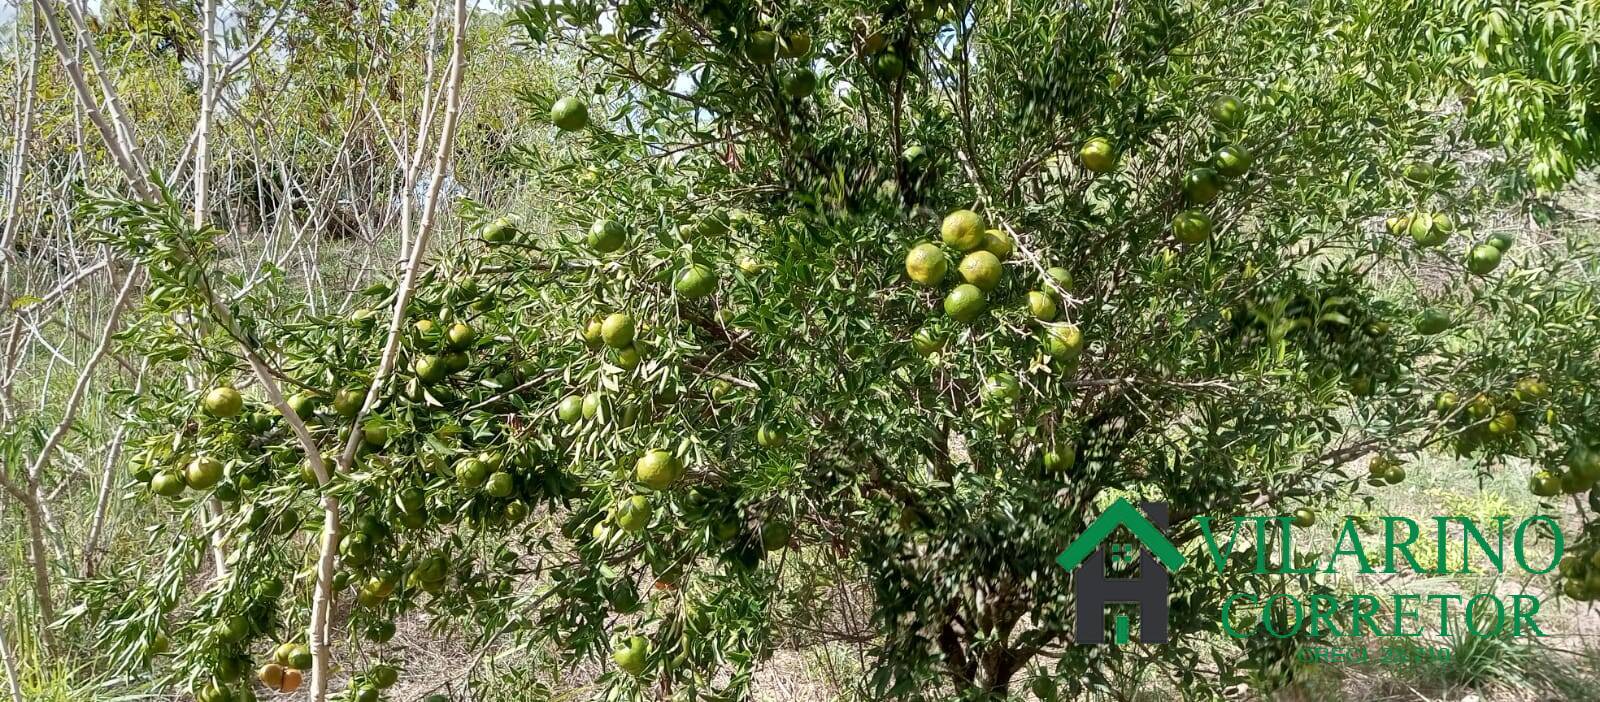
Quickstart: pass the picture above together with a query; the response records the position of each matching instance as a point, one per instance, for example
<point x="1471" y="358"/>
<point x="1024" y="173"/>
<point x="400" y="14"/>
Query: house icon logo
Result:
<point x="1092" y="590"/>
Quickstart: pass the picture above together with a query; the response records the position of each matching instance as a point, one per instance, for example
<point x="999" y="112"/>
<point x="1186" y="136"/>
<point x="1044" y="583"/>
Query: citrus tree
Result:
<point x="907" y="288"/>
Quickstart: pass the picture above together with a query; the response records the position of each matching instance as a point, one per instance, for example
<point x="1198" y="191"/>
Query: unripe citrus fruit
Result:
<point x="696" y="281"/>
<point x="1544" y="484"/>
<point x="1502" y="424"/>
<point x="982" y="269"/>
<point x="799" y="82"/>
<point x="628" y="358"/>
<point x="927" y="341"/>
<point x="657" y="469"/>
<point x="347" y="402"/>
<point x="500" y="231"/>
<point x="299" y="659"/>
<point x="1191" y="226"/>
<point x="771" y="437"/>
<point x="1097" y="155"/>
<point x="460" y="336"/>
<point x="223" y="402"/>
<point x="1483" y="259"/>
<point x="999" y="243"/>
<point x="203" y="472"/>
<point x="282" y="654"/>
<point x="633" y="513"/>
<point x="167" y="483"/>
<point x="762" y="47"/>
<point x="1530" y="389"/>
<point x="1228" y="111"/>
<point x="570" y="409"/>
<point x="591" y="405"/>
<point x="429" y="369"/>
<point x="1002" y="387"/>
<point x="964" y="303"/>
<point x="774" y="536"/>
<point x="606" y="235"/>
<point x="303" y="403"/>
<point x="1433" y="321"/>
<point x="1233" y="161"/>
<point x="963" y="230"/>
<point x="633" y="657"/>
<point x="471" y="472"/>
<point x="1041" y="305"/>
<point x="795" y="45"/>
<point x="1201" y="186"/>
<point x="1064" y="341"/>
<point x="926" y="264"/>
<point x="499" y="485"/>
<point x="1059" y="459"/>
<point x="591" y="334"/>
<point x="617" y="330"/>
<point x="569" y="114"/>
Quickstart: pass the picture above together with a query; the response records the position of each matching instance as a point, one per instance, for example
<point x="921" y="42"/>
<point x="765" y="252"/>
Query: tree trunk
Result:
<point x="40" y="560"/>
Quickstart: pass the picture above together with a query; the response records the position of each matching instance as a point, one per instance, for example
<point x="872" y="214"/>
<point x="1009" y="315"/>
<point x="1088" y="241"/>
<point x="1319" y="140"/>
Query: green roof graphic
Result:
<point x="1121" y="513"/>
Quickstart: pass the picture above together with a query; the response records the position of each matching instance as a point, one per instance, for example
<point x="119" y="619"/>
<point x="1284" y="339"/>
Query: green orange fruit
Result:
<point x="203" y="472"/>
<point x="927" y="341"/>
<point x="657" y="469"/>
<point x="963" y="230"/>
<point x="926" y="264"/>
<point x="761" y="48"/>
<point x="964" y="303"/>
<point x="1191" y="227"/>
<point x="617" y="330"/>
<point x="1304" y="517"/>
<point x="1042" y="305"/>
<point x="1233" y="161"/>
<point x="569" y="114"/>
<point x="696" y="281"/>
<point x="606" y="235"/>
<point x="223" y="402"/>
<point x="633" y="657"/>
<point x="1228" y="111"/>
<point x="1201" y="186"/>
<point x="500" y="231"/>
<point x="982" y="269"/>
<point x="167" y="483"/>
<point x="633" y="514"/>
<point x="460" y="336"/>
<point x="999" y="243"/>
<point x="799" y="82"/>
<point x="1483" y="259"/>
<point x="1098" y="155"/>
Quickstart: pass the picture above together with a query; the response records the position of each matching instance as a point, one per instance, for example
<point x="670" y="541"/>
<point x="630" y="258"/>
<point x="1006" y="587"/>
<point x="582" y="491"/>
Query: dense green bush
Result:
<point x="1234" y="252"/>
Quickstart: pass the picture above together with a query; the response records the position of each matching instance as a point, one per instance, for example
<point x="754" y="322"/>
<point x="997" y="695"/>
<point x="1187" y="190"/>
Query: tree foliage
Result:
<point x="630" y="446"/>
